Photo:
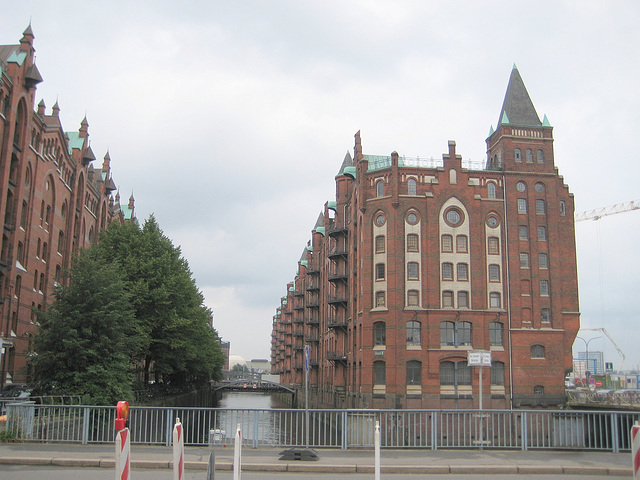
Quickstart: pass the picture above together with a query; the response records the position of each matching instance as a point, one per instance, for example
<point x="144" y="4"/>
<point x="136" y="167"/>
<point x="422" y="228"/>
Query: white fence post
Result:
<point x="237" y="455"/>
<point x="376" y="441"/>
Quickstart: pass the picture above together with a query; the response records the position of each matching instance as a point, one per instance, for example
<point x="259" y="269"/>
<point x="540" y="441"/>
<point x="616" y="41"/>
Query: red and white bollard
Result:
<point x="178" y="451"/>
<point x="635" y="450"/>
<point x="237" y="455"/>
<point x="123" y="441"/>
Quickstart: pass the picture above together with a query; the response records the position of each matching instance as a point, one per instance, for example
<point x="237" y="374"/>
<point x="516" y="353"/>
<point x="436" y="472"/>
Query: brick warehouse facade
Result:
<point x="416" y="263"/>
<point x="52" y="202"/>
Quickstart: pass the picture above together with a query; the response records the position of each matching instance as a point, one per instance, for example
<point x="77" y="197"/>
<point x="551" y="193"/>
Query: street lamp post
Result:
<point x="586" y="354"/>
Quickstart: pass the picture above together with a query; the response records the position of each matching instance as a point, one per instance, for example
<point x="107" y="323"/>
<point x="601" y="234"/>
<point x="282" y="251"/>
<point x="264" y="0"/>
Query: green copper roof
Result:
<point x="17" y="57"/>
<point x="332" y="205"/>
<point x="320" y="230"/>
<point x="545" y="122"/>
<point x="505" y="118"/>
<point x="291" y="289"/>
<point x="491" y="131"/>
<point x="75" y="141"/>
<point x="304" y="263"/>
<point x="350" y="171"/>
<point x="309" y="248"/>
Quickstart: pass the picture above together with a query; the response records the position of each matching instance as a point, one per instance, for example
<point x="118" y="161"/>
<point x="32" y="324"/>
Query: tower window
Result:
<point x="491" y="190"/>
<point x="380" y="244"/>
<point x="412" y="186"/>
<point x="540" y="156"/>
<point x="380" y="271"/>
<point x="413" y="271"/>
<point x="493" y="244"/>
<point x="412" y="242"/>
<point x="517" y="154"/>
<point x="529" y="156"/>
<point x="379" y="188"/>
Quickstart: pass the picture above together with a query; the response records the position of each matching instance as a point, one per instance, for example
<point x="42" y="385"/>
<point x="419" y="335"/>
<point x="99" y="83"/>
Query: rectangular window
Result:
<point x="379" y="334"/>
<point x="447" y="243"/>
<point x="413" y="298"/>
<point x="542" y="233"/>
<point x="545" y="315"/>
<point x="412" y="243"/>
<point x="379" y="373"/>
<point x="544" y="287"/>
<point x="413" y="333"/>
<point x="563" y="208"/>
<point x="494" y="300"/>
<point x="463" y="299"/>
<point x="522" y="205"/>
<point x="463" y="272"/>
<point x="540" y="207"/>
<point x="461" y="244"/>
<point x="380" y="271"/>
<point x="413" y="271"/>
<point x="494" y="273"/>
<point x="380" y="244"/>
<point x="524" y="260"/>
<point x="380" y="299"/>
<point x="523" y="232"/>
<point x="495" y="334"/>
<point x="447" y="299"/>
<point x="493" y="244"/>
<point x="543" y="260"/>
<point x="497" y="373"/>
<point x="447" y="271"/>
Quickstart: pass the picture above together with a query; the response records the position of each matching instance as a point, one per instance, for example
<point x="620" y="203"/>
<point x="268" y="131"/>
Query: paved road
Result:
<point x="26" y="472"/>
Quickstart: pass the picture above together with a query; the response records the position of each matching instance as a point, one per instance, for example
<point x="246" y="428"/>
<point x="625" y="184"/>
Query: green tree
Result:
<point x="87" y="336"/>
<point x="178" y="343"/>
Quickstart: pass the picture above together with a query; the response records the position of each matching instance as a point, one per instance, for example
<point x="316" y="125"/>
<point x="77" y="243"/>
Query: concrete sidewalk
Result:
<point x="330" y="461"/>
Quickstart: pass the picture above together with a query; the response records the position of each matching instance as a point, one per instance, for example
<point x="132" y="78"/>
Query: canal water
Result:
<point x="254" y="413"/>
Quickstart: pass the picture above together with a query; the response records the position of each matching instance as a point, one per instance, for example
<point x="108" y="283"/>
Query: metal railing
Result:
<point x="279" y="428"/>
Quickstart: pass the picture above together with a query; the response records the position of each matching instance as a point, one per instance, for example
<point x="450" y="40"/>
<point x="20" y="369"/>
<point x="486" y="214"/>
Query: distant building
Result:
<point x="53" y="202"/>
<point x="417" y="262"/>
<point x="225" y="349"/>
<point x="595" y="365"/>
<point x="260" y="365"/>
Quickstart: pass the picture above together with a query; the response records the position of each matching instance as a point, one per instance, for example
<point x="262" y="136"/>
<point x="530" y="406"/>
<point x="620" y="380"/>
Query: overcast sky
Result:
<point x="228" y="120"/>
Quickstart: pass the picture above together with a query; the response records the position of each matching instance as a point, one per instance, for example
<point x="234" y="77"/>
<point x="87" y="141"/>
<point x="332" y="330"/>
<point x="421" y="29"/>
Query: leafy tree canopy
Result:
<point x="135" y="281"/>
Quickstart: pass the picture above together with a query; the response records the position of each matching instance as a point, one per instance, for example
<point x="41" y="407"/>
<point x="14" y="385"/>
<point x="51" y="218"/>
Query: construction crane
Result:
<point x="598" y="213"/>
<point x="603" y="330"/>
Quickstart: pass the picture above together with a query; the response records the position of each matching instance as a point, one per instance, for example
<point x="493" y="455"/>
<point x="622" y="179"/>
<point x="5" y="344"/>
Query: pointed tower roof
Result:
<point x="347" y="162"/>
<point x="517" y="108"/>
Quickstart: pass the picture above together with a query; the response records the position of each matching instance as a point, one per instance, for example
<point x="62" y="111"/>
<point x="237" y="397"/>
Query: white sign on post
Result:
<point x="479" y="358"/>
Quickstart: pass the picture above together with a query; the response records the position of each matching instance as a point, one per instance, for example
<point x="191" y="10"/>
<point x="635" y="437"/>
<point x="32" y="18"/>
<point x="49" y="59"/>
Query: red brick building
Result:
<point x="53" y="201"/>
<point x="416" y="263"/>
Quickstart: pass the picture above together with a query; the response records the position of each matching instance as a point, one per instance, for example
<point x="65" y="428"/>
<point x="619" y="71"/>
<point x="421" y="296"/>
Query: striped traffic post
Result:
<point x="178" y="450"/>
<point x="237" y="455"/>
<point x="123" y="441"/>
<point x="635" y="450"/>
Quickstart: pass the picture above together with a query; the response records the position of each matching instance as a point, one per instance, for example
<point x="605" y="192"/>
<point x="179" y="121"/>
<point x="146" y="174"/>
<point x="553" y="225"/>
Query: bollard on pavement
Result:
<point x="237" y="455"/>
<point x="376" y="439"/>
<point x="178" y="451"/>
<point x="123" y="441"/>
<point x="211" y="469"/>
<point x="635" y="450"/>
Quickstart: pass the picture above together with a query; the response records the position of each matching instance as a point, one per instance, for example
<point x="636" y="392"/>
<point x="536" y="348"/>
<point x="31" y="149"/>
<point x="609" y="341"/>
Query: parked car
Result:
<point x="13" y="389"/>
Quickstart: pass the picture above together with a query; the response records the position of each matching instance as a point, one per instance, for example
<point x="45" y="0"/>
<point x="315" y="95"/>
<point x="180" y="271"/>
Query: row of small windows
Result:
<point x="412" y="187"/>
<point x="450" y="299"/>
<point x="413" y="299"/>
<point x="543" y="260"/>
<point x="451" y="333"/>
<point x="447" y="243"/>
<point x="451" y="373"/>
<point x="541" y="231"/>
<point x="541" y="207"/>
<point x="529" y="155"/>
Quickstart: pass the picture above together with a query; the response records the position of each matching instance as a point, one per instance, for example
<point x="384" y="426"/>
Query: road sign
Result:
<point x="479" y="358"/>
<point x="635" y="450"/>
<point x="592" y="381"/>
<point x="598" y="383"/>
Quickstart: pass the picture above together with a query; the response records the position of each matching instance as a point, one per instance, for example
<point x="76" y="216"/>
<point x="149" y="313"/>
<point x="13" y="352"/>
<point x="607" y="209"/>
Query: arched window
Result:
<point x="455" y="373"/>
<point x="540" y="156"/>
<point x="380" y="299"/>
<point x="379" y="373"/>
<point x="517" y="155"/>
<point x="529" y="156"/>
<point x="538" y="390"/>
<point x="379" y="334"/>
<point x="412" y="186"/>
<point x="491" y="190"/>
<point x="379" y="188"/>
<point x="447" y="299"/>
<point x="413" y="333"/>
<point x="447" y="333"/>
<point x="495" y="334"/>
<point x="414" y="372"/>
<point x="537" y="351"/>
<point x="497" y="373"/>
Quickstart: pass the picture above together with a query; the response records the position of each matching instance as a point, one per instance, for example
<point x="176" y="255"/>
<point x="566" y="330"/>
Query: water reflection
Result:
<point x="252" y="411"/>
